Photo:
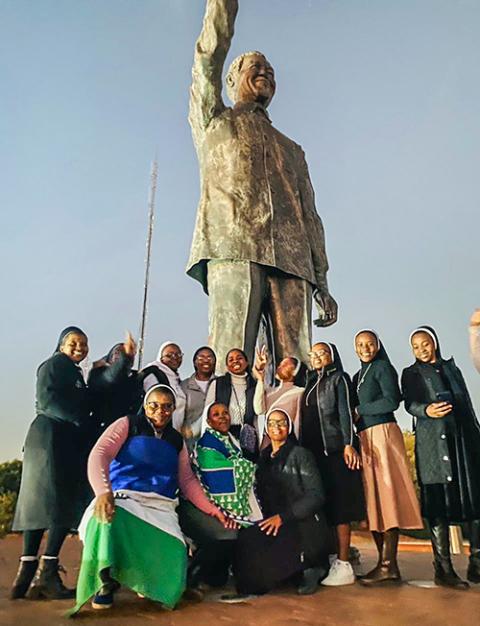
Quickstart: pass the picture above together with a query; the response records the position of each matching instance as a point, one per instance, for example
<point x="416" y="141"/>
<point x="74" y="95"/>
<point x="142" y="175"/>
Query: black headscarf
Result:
<point x="65" y="332"/>
<point x="433" y="334"/>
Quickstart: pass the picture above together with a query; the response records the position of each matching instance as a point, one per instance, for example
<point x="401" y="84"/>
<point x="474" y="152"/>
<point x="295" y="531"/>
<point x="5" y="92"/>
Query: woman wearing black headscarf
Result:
<point x="447" y="447"/>
<point x="326" y="429"/>
<point x="115" y="387"/>
<point x="389" y="492"/>
<point x="53" y="490"/>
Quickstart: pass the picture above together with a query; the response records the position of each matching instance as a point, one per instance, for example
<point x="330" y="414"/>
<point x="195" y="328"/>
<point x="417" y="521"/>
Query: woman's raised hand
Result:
<point x="352" y="458"/>
<point x="438" y="409"/>
<point x="129" y="345"/>
<point x="261" y="360"/>
<point x="271" y="525"/>
<point x="104" y="507"/>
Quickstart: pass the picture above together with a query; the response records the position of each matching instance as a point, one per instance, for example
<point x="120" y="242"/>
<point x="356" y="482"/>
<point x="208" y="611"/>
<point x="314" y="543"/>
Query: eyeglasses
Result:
<point x="168" y="407"/>
<point x="277" y="423"/>
<point x="172" y="355"/>
<point x="320" y="353"/>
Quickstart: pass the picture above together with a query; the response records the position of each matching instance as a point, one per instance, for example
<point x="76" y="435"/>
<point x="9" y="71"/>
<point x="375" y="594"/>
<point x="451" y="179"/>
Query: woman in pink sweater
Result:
<point x="130" y="531"/>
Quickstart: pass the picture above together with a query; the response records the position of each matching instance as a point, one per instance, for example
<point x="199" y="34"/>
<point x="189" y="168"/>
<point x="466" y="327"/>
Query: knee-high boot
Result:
<point x="445" y="575"/>
<point x="386" y="570"/>
<point x="473" y="572"/>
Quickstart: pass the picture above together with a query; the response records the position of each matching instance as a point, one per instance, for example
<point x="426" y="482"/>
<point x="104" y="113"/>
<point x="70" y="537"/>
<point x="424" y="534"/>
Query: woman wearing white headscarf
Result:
<point x="292" y="538"/>
<point x="389" y="491"/>
<point x="447" y="447"/>
<point x="287" y="395"/>
<point x="164" y="371"/>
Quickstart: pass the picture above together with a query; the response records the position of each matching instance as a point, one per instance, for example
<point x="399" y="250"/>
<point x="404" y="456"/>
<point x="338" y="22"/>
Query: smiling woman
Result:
<point x="52" y="491"/>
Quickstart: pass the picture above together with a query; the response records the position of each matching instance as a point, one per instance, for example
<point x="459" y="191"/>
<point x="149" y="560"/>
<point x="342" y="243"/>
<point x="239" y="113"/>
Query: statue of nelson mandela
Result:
<point x="258" y="246"/>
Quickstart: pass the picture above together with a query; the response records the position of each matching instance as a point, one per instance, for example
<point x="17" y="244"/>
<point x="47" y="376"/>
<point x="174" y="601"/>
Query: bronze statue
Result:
<point x="258" y="247"/>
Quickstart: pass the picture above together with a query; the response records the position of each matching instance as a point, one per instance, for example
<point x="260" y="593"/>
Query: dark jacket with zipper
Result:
<point x="326" y="423"/>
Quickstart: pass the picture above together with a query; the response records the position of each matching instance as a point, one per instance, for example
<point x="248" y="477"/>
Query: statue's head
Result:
<point x="251" y="78"/>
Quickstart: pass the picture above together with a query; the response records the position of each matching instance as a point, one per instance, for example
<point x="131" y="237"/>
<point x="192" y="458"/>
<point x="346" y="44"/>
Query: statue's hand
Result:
<point x="327" y="308"/>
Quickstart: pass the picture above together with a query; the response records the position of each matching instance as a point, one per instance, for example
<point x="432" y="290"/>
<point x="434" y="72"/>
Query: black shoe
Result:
<point x="310" y="580"/>
<point x="48" y="584"/>
<point x="473" y="572"/>
<point x="25" y="574"/>
<point x="446" y="576"/>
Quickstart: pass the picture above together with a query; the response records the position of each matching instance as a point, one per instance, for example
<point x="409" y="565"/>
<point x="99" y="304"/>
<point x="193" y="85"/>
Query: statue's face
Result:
<point x="256" y="80"/>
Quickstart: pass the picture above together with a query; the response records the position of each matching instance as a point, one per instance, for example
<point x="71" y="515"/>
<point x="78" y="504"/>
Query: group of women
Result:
<point x="190" y="481"/>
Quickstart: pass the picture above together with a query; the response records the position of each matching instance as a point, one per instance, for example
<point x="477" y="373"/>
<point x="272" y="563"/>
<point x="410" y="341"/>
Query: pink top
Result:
<point x="107" y="448"/>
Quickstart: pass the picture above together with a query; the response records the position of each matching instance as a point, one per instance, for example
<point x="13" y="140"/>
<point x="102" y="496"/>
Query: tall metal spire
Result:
<point x="151" y="218"/>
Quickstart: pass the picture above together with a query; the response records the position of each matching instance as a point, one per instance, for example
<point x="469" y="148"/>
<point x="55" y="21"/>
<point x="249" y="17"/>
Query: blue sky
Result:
<point x="382" y="95"/>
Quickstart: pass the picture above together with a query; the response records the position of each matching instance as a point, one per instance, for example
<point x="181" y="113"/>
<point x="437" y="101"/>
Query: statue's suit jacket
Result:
<point x="257" y="202"/>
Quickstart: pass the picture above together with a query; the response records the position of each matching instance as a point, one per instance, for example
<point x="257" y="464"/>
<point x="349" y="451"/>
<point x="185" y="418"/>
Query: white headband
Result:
<point x="163" y="346"/>
<point x="367" y="330"/>
<point x="422" y="329"/>
<point x="273" y="410"/>
<point x="156" y="388"/>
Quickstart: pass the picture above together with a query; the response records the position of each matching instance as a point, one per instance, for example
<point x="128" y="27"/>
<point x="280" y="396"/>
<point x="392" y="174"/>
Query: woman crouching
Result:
<point x="292" y="538"/>
<point x="227" y="478"/>
<point x="130" y="531"/>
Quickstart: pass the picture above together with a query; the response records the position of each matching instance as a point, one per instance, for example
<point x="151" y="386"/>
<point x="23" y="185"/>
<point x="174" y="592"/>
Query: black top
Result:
<point x="61" y="391"/>
<point x="326" y="416"/>
<point x="116" y="390"/>
<point x="289" y="483"/>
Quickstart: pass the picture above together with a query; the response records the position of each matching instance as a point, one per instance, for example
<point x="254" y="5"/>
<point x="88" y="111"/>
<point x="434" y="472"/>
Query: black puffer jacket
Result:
<point x="289" y="484"/>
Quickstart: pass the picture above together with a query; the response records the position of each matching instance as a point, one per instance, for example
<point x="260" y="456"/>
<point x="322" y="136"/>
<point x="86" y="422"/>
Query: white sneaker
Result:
<point x="341" y="573"/>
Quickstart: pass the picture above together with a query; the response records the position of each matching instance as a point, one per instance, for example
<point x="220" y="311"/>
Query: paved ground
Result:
<point x="347" y="606"/>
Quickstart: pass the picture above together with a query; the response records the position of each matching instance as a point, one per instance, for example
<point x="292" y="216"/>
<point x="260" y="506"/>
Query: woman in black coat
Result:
<point x="293" y="536"/>
<point x="447" y="447"/>
<point x="115" y="388"/>
<point x="326" y="429"/>
<point x="54" y="489"/>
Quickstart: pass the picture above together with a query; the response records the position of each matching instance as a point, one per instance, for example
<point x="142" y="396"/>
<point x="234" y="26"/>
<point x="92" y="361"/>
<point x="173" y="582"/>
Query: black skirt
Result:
<point x="459" y="499"/>
<point x="54" y="489"/>
<point x="345" y="500"/>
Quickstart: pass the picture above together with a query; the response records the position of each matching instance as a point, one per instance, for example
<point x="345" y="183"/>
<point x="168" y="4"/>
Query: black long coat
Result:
<point x="447" y="449"/>
<point x="54" y="488"/>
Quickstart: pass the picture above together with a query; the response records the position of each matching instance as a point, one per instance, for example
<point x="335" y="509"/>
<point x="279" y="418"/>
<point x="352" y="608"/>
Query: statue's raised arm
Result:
<point x="258" y="247"/>
<point x="211" y="50"/>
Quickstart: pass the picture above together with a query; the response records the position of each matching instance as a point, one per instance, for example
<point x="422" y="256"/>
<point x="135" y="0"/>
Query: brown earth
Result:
<point x="405" y="605"/>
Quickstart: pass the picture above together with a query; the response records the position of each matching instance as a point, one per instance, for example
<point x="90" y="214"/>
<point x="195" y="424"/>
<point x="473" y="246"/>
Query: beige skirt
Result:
<point x="389" y="491"/>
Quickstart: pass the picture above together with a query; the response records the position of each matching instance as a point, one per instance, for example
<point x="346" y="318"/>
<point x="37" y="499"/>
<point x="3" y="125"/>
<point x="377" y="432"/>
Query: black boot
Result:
<point x="386" y="571"/>
<point x="48" y="584"/>
<point x="25" y="574"/>
<point x="310" y="580"/>
<point x="473" y="572"/>
<point x="445" y="575"/>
